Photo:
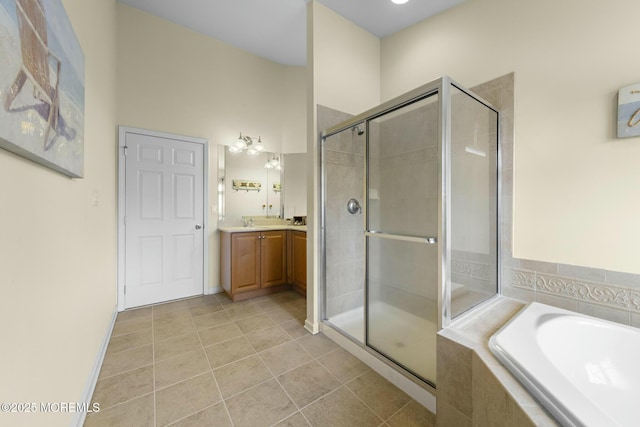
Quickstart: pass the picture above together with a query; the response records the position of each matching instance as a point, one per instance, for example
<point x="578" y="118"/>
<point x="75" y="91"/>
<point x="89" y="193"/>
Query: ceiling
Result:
<point x="276" y="29"/>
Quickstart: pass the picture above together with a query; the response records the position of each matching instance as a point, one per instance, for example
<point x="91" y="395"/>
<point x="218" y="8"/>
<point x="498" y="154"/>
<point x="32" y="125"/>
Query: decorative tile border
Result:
<point x="602" y="294"/>
<point x="634" y="301"/>
<point x="470" y="269"/>
<point x="591" y="292"/>
<point x="523" y="279"/>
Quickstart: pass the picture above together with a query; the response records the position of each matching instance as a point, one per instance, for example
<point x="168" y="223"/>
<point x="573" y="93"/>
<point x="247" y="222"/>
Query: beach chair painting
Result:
<point x="41" y="85"/>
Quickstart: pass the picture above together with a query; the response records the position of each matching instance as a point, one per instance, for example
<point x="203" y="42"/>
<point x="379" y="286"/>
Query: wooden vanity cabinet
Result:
<point x="298" y="261"/>
<point x="253" y="263"/>
<point x="273" y="256"/>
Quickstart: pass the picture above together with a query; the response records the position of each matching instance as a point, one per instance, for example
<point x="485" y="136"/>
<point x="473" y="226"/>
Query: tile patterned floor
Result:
<point x="208" y="361"/>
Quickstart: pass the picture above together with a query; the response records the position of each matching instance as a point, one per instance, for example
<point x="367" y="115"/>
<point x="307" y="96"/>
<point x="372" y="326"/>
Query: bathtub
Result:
<point x="585" y="371"/>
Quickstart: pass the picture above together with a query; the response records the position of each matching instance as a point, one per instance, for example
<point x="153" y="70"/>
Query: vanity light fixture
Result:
<point x="274" y="163"/>
<point x="399" y="1"/>
<point x="248" y="144"/>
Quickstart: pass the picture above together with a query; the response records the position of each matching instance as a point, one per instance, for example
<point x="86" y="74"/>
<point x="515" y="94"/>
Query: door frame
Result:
<point x="122" y="133"/>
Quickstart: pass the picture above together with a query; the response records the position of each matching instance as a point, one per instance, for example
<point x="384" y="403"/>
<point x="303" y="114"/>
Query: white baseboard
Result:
<point x="79" y="417"/>
<point x="311" y="327"/>
<point x="213" y="290"/>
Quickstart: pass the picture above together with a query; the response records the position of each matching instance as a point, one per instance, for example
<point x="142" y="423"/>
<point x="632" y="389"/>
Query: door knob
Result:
<point x="198" y="226"/>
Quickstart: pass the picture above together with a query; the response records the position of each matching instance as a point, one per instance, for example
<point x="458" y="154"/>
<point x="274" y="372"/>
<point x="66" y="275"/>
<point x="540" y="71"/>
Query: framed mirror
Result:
<point x="266" y="185"/>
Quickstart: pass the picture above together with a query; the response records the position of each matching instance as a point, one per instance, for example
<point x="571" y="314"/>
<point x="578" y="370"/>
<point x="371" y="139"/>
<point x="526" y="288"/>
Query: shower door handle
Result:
<point x="405" y="238"/>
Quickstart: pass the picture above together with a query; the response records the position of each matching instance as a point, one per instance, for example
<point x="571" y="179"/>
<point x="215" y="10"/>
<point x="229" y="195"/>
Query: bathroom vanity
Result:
<point x="257" y="261"/>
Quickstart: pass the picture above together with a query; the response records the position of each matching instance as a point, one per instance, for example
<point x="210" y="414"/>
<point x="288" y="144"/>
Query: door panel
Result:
<point x="299" y="241"/>
<point x="150" y="198"/>
<point x="164" y="202"/>
<point x="183" y="247"/>
<point x="245" y="261"/>
<point x="184" y="194"/>
<point x="274" y="252"/>
<point x="150" y="258"/>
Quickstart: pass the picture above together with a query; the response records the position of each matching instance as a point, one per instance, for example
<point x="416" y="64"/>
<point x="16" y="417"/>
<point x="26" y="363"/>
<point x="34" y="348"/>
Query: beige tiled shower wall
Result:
<point x="344" y="162"/>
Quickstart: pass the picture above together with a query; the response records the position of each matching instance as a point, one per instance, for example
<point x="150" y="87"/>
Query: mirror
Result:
<point x="247" y="188"/>
<point x="294" y="188"/>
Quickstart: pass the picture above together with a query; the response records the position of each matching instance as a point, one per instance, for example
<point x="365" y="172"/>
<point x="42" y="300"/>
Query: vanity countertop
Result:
<point x="241" y="229"/>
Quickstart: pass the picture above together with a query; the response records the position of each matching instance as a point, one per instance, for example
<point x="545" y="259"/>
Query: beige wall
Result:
<point x="343" y="73"/>
<point x="171" y="79"/>
<point x="576" y="199"/>
<point x="175" y="80"/>
<point x="57" y="250"/>
<point x="294" y="110"/>
<point x="346" y="63"/>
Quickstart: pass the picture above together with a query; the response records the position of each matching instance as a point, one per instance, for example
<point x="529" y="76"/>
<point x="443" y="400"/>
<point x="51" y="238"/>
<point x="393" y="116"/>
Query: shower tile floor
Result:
<point x="208" y="361"/>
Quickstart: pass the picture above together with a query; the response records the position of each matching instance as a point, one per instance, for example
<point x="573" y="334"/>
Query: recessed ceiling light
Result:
<point x="399" y="1"/>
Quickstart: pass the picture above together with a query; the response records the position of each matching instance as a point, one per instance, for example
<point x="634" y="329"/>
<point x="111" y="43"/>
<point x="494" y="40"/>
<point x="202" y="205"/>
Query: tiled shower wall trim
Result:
<point x="606" y="294"/>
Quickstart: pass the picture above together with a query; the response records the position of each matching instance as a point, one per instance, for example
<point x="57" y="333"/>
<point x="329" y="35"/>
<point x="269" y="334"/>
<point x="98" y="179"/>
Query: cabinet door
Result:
<point x="274" y="258"/>
<point x="299" y="259"/>
<point x="245" y="262"/>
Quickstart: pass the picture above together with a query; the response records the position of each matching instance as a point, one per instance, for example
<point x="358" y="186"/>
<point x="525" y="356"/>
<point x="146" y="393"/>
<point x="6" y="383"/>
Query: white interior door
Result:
<point x="164" y="232"/>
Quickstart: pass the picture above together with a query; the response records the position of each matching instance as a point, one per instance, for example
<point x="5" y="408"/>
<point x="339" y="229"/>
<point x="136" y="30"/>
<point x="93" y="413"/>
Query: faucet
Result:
<point x="250" y="222"/>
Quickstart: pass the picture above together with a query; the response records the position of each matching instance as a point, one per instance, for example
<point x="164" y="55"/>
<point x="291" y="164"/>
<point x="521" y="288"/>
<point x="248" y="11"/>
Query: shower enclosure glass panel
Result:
<point x="402" y="231"/>
<point x="343" y="177"/>
<point x="410" y="221"/>
<point x="474" y="203"/>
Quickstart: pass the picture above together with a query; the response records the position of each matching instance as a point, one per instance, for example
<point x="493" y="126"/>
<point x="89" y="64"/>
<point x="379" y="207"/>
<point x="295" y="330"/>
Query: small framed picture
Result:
<point x="629" y="111"/>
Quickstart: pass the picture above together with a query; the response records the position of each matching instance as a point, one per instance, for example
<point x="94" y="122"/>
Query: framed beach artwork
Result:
<point x="41" y="85"/>
<point x="629" y="111"/>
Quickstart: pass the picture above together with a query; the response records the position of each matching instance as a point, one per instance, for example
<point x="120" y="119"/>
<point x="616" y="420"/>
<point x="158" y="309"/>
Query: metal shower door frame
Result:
<point x="441" y="87"/>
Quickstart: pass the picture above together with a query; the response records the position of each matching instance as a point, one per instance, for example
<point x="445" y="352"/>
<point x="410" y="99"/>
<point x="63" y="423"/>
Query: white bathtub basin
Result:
<point x="584" y="370"/>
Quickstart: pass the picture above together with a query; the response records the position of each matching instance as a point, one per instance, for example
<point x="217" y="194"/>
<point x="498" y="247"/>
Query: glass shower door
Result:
<point x="473" y="189"/>
<point x="403" y="158"/>
<point x="343" y="180"/>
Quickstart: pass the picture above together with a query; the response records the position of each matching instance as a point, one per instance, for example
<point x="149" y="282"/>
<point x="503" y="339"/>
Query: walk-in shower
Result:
<point x="409" y="221"/>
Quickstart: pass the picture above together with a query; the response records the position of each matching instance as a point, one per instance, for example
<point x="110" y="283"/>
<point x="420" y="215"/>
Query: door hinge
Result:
<point x="125" y="150"/>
